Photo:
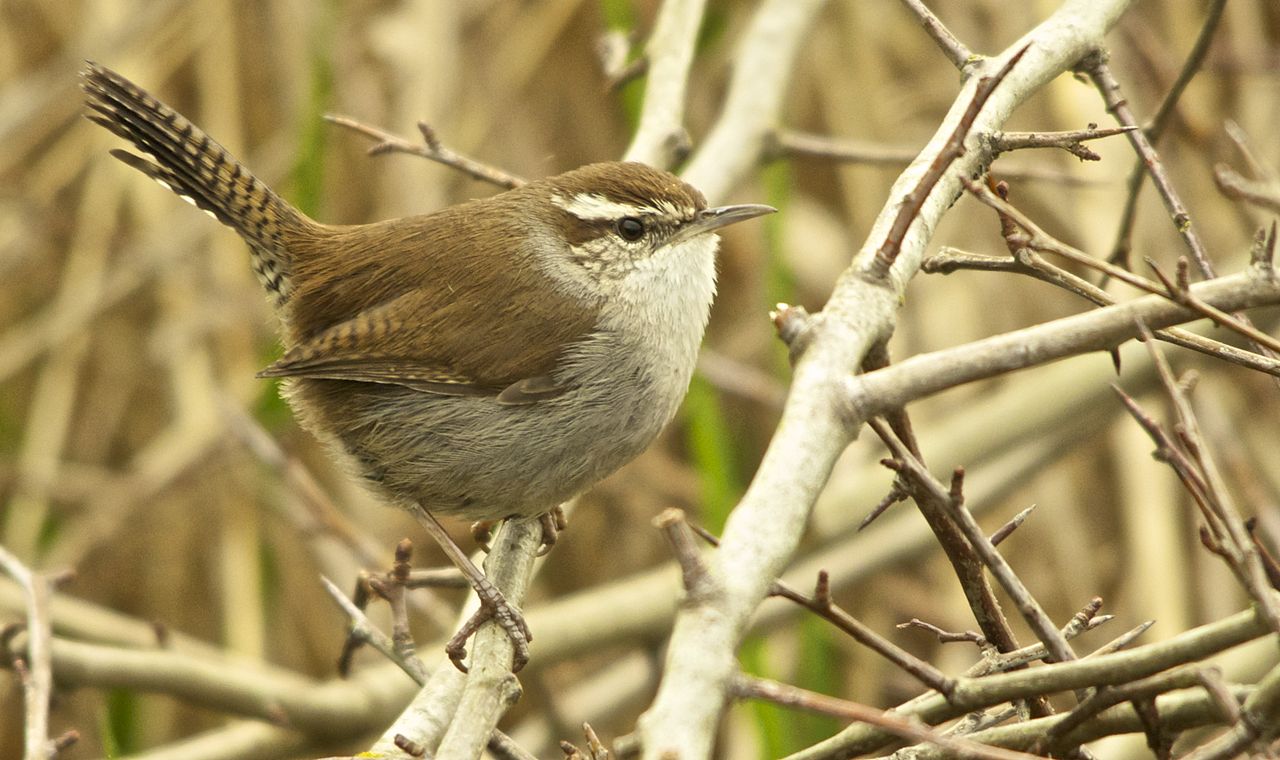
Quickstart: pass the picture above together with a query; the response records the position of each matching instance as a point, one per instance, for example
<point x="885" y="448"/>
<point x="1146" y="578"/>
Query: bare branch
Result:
<point x="923" y="375"/>
<point x="951" y="150"/>
<point x="661" y="140"/>
<point x="955" y="50"/>
<point x="431" y="148"/>
<point x="1072" y="142"/>
<point x="906" y="728"/>
<point x="35" y="670"/>
<point x="813" y="430"/>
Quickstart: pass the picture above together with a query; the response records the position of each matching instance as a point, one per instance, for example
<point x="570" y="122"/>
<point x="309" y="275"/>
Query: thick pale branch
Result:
<point x="761" y="72"/>
<point x="926" y="374"/>
<point x="812" y="432"/>
<point x="660" y="139"/>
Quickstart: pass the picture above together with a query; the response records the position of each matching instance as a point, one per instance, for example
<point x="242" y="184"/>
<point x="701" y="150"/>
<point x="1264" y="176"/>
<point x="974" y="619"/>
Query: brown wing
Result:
<point x="468" y="332"/>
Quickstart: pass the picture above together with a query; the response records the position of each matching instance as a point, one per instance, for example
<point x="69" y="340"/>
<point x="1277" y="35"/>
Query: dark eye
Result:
<point x="630" y="228"/>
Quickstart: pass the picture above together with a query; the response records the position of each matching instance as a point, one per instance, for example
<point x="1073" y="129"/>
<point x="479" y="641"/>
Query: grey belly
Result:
<point x="476" y="459"/>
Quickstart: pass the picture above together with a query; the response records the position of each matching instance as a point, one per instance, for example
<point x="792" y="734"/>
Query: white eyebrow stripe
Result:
<point x="593" y="206"/>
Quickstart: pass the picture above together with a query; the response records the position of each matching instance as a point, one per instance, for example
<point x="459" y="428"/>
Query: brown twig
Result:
<point x="1070" y="141"/>
<point x="697" y="580"/>
<point x="954" y="148"/>
<point x="1190" y="458"/>
<point x="1031" y="610"/>
<point x="595" y="748"/>
<point x="820" y="603"/>
<point x="1037" y="239"/>
<point x="391" y="587"/>
<point x="1099" y="71"/>
<point x="796" y="144"/>
<point x="363" y="631"/>
<point x="897" y="493"/>
<point x="1180" y="292"/>
<point x="965" y="562"/>
<point x="1002" y="662"/>
<point x="1028" y="263"/>
<point x="1006" y="530"/>
<point x="431" y="148"/>
<point x="1155" y="128"/>
<point x="911" y="729"/>
<point x="946" y="637"/>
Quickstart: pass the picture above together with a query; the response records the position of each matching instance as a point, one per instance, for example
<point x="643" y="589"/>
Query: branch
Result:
<point x="431" y="148"/>
<point x="1072" y="142"/>
<point x="761" y="73"/>
<point x="35" y="670"/>
<point x="926" y="374"/>
<point x="952" y="149"/>
<point x="813" y="430"/>
<point x="1153" y="131"/>
<point x="955" y="50"/>
<point x="661" y="140"/>
<point x="491" y="686"/>
<point x="749" y="687"/>
<point x="1110" y="669"/>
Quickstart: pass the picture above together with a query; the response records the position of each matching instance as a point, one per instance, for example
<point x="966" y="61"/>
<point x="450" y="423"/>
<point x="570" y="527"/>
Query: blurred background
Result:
<point x="137" y="447"/>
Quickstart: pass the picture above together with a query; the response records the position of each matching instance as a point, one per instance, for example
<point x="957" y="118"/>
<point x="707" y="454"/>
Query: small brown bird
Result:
<point x="494" y="358"/>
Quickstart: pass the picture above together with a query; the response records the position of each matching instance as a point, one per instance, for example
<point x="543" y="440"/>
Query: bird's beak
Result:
<point x="711" y="219"/>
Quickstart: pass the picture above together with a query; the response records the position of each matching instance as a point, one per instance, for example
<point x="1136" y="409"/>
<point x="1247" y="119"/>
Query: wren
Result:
<point x="491" y="359"/>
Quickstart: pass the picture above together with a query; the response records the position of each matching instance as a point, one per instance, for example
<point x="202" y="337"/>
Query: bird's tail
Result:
<point x="202" y="172"/>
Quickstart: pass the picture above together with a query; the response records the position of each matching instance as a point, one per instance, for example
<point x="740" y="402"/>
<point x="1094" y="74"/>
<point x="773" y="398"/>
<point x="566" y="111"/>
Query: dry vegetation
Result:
<point x="137" y="448"/>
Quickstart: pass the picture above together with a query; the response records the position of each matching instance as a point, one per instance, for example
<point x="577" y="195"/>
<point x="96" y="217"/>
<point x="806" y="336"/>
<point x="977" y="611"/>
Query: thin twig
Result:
<point x="796" y="144"/>
<point x="1155" y="128"/>
<point x="696" y="580"/>
<point x="949" y="260"/>
<point x="955" y="50"/>
<point x="907" y="728"/>
<point x="820" y="603"/>
<point x="1071" y="141"/>
<point x="953" y="149"/>
<point x="1031" y="610"/>
<point x="430" y="148"/>
<point x="1006" y="530"/>
<point x="1190" y="458"/>
<point x="364" y="631"/>
<point x="1181" y="293"/>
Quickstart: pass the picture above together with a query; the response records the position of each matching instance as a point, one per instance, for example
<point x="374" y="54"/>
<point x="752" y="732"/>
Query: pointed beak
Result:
<point x="711" y="219"/>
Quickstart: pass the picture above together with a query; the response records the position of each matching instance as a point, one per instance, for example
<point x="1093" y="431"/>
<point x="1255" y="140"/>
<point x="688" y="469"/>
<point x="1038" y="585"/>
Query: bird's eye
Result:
<point x="630" y="228"/>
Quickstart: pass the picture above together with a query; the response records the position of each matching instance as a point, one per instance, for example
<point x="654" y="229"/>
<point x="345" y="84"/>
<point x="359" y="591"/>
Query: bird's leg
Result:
<point x="493" y="605"/>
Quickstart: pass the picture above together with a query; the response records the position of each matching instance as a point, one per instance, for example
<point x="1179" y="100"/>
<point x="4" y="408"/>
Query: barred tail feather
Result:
<point x="202" y="172"/>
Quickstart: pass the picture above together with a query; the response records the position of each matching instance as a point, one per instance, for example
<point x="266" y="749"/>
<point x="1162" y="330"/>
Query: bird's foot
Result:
<point x="493" y="606"/>
<point x="482" y="532"/>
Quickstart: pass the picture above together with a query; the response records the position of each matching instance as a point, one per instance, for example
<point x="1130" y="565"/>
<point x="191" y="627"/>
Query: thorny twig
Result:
<point x="430" y="148"/>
